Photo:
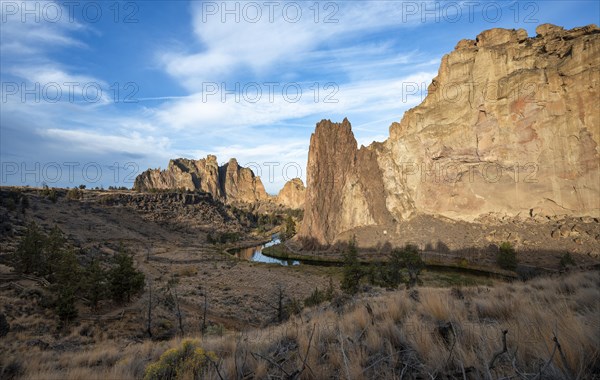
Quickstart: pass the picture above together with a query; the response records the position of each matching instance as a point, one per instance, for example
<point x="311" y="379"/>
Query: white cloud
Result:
<point x="211" y="115"/>
<point x="193" y="126"/>
<point x="50" y="74"/>
<point x="31" y="32"/>
<point x="133" y="143"/>
<point x="230" y="46"/>
<point x="41" y="31"/>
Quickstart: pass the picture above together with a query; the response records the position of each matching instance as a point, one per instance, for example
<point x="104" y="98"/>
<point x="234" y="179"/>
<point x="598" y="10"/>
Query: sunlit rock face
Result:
<point x="510" y="127"/>
<point x="292" y="194"/>
<point x="229" y="182"/>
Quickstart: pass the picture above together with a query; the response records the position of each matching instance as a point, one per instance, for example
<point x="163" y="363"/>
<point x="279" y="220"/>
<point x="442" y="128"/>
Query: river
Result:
<point x="255" y="254"/>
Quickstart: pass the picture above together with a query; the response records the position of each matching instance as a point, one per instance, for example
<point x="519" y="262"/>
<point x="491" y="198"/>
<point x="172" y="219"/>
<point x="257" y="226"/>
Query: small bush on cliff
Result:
<point x="190" y="361"/>
<point x="507" y="257"/>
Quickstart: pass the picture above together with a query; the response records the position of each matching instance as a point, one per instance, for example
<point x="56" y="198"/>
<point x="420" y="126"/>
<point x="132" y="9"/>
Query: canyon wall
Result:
<point x="510" y="127"/>
<point x="229" y="182"/>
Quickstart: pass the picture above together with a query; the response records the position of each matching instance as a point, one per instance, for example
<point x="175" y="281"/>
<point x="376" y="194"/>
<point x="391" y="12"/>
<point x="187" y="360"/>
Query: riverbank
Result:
<point x="432" y="260"/>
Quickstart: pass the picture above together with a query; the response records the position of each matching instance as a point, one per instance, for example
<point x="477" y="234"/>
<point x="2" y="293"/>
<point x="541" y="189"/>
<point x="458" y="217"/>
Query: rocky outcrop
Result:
<point x="229" y="182"/>
<point x="240" y="184"/>
<point x="344" y="184"/>
<point x="198" y="211"/>
<point x="510" y="127"/>
<point x="292" y="194"/>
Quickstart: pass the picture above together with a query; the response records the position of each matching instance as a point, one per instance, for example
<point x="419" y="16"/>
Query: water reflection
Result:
<point x="255" y="254"/>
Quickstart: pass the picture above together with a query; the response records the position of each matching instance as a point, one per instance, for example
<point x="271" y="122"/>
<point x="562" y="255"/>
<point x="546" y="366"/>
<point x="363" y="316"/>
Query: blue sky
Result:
<point x="95" y="92"/>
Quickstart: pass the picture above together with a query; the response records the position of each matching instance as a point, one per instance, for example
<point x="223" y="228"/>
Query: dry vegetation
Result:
<point x="429" y="332"/>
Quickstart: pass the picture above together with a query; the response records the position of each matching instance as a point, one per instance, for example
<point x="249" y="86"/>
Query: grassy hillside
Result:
<point x="552" y="329"/>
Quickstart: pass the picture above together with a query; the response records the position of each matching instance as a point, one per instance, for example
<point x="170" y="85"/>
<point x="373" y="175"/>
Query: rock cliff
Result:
<point x="229" y="182"/>
<point x="510" y="127"/>
<point x="292" y="194"/>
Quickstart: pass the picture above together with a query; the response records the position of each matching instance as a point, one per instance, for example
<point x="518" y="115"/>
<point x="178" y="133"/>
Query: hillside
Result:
<point x="551" y="329"/>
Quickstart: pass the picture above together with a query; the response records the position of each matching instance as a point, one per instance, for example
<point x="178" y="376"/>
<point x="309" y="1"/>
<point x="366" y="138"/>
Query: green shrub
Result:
<point x="24" y="203"/>
<point x="316" y="297"/>
<point x="381" y="275"/>
<point x="95" y="284"/>
<point x="54" y="247"/>
<point x="190" y="361"/>
<point x="410" y="259"/>
<point x="566" y="260"/>
<point x="74" y="193"/>
<point x="4" y="326"/>
<point x="52" y="195"/>
<point x="293" y="307"/>
<point x="217" y="330"/>
<point x="210" y="239"/>
<point x="352" y="271"/>
<point x="391" y="274"/>
<point x="39" y="254"/>
<point x="507" y="257"/>
<point x="11" y="367"/>
<point x="10" y="204"/>
<point x="124" y="279"/>
<point x="289" y="229"/>
<point x="68" y="276"/>
<point x="30" y="254"/>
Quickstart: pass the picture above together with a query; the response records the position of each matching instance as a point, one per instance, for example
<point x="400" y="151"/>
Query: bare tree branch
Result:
<point x="503" y="351"/>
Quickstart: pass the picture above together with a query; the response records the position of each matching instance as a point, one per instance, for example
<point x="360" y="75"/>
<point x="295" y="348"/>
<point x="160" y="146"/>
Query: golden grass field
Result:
<point x="422" y="333"/>
<point x="451" y="327"/>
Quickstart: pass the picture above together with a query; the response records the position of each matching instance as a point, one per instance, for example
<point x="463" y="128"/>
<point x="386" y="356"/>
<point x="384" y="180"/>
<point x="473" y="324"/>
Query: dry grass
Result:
<point x="386" y="336"/>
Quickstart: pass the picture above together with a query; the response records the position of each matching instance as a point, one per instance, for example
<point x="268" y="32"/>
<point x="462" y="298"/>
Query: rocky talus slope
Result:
<point x="509" y="129"/>
<point x="229" y="182"/>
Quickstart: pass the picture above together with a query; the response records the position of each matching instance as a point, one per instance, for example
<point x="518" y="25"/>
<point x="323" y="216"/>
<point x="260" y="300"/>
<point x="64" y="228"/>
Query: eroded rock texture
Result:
<point x="510" y="127"/>
<point x="229" y="182"/>
<point x="292" y="194"/>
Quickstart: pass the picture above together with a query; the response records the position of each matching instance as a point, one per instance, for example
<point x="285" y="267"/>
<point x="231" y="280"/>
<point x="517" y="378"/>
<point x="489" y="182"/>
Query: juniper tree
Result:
<point x="29" y="256"/>
<point x="507" y="256"/>
<point x="53" y="251"/>
<point x="68" y="277"/>
<point x="124" y="279"/>
<point x="95" y="286"/>
<point x="352" y="271"/>
<point x="410" y="259"/>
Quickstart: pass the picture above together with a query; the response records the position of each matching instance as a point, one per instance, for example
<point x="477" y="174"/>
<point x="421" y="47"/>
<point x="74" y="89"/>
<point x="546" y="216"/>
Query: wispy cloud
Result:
<point x="30" y="35"/>
<point x="364" y="63"/>
<point x="228" y="47"/>
<point x="132" y="144"/>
